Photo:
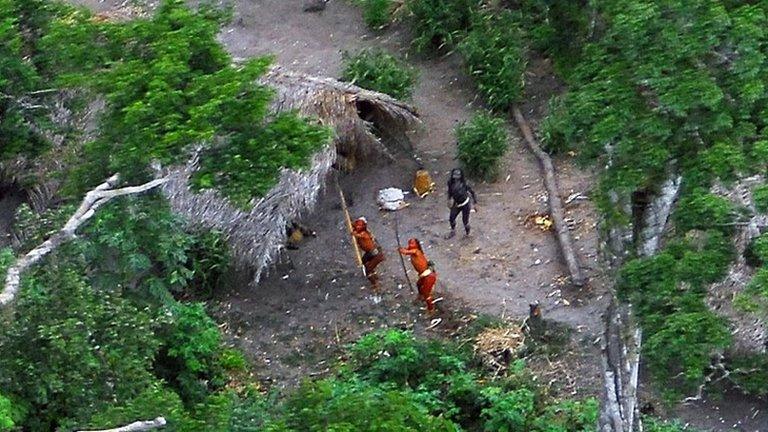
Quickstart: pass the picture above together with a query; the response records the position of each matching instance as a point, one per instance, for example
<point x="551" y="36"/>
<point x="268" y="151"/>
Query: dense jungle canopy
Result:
<point x="665" y="99"/>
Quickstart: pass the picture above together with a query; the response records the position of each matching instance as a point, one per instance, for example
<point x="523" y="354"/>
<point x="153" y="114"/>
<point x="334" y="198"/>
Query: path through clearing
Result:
<point x="499" y="270"/>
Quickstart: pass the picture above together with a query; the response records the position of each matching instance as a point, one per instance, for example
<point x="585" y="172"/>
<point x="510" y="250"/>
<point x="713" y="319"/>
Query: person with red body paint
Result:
<point x="427" y="276"/>
<point x="372" y="253"/>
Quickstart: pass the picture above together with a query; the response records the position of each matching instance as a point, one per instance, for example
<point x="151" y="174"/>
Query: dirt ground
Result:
<point x="499" y="270"/>
<point x="295" y="322"/>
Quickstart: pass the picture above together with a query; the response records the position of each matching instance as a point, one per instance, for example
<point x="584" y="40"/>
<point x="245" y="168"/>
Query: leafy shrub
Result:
<point x="190" y="358"/>
<point x="750" y="373"/>
<point x="684" y="344"/>
<point x="6" y="414"/>
<point x="568" y="416"/>
<point x="702" y="210"/>
<point x="759" y="154"/>
<point x="208" y="260"/>
<point x="509" y="411"/>
<point x="379" y="71"/>
<point x="558" y="28"/>
<point x="481" y="143"/>
<point x="651" y="424"/>
<point x="66" y="346"/>
<point x="233" y="360"/>
<point x="668" y="292"/>
<point x="495" y="58"/>
<point x="760" y="198"/>
<point x="756" y="252"/>
<point x="6" y="260"/>
<point x="153" y="401"/>
<point x="376" y="13"/>
<point x="754" y="298"/>
<point x="724" y="161"/>
<point x="398" y="357"/>
<point x="241" y="168"/>
<point x="439" y="24"/>
<point x="169" y="84"/>
<point x="357" y="405"/>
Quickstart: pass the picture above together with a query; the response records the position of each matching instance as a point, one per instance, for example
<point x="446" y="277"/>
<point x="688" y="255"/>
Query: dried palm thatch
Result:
<point x="352" y="111"/>
<point x="496" y="346"/>
<point x="257" y="236"/>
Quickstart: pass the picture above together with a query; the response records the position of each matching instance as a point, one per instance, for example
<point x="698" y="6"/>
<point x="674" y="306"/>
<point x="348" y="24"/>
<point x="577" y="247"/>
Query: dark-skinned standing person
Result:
<point x="461" y="197"/>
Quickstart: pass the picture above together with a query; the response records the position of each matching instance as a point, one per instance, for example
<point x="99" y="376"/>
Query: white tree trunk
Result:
<point x="656" y="216"/>
<point x="94" y="199"/>
<point x="621" y="361"/>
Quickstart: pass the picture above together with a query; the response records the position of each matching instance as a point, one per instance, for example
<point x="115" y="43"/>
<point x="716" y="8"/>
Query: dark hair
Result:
<point x="418" y="243"/>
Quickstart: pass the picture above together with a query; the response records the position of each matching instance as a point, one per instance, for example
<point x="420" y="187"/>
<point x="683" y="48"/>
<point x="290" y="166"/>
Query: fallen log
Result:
<point x="94" y="199"/>
<point x="555" y="203"/>
<point x="138" y="426"/>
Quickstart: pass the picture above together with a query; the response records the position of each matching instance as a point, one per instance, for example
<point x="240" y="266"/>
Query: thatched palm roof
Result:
<point x="257" y="236"/>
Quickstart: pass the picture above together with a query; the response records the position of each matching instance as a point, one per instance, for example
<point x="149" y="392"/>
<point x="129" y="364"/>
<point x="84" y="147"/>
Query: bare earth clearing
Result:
<point x="295" y="322"/>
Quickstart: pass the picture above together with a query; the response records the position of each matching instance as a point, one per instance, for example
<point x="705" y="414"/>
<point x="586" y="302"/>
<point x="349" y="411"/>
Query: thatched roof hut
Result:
<point x="257" y="236"/>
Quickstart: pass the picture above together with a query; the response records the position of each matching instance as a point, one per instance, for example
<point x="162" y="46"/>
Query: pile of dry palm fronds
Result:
<point x="497" y="346"/>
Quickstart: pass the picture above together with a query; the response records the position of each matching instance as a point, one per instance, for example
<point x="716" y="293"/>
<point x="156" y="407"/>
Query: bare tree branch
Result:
<point x="138" y="426"/>
<point x="94" y="199"/>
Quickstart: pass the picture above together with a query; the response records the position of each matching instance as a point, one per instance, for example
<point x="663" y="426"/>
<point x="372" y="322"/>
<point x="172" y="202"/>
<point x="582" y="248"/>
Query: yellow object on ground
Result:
<point x="544" y="222"/>
<point x="423" y="184"/>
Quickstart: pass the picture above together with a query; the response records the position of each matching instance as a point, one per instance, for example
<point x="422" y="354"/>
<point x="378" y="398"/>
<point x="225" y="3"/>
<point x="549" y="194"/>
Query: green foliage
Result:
<point x="7" y="259"/>
<point x="568" y="416"/>
<point x="6" y="414"/>
<point x="69" y="343"/>
<point x="443" y="381"/>
<point x="508" y="411"/>
<point x="648" y="96"/>
<point x="208" y="259"/>
<point x="495" y="57"/>
<point x="702" y="210"/>
<point x="246" y="167"/>
<point x="668" y="292"/>
<point x="651" y="424"/>
<point x="33" y="228"/>
<point x="170" y="85"/>
<point x="190" y="357"/>
<point x="750" y="373"/>
<point x="558" y="28"/>
<point x="439" y="24"/>
<point x="397" y="357"/>
<point x="754" y="297"/>
<point x="154" y="400"/>
<point x="685" y="343"/>
<point x="724" y="161"/>
<point x="379" y="71"/>
<point x="98" y="332"/>
<point x="22" y="113"/>
<point x="332" y="405"/>
<point x="481" y="143"/>
<point x="376" y="13"/>
<point x="760" y="198"/>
